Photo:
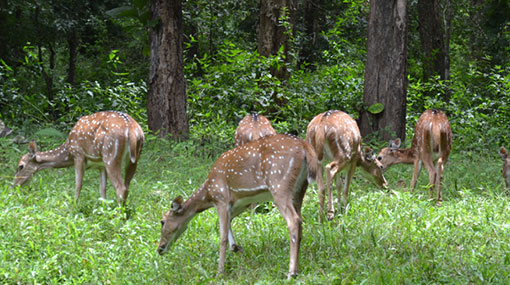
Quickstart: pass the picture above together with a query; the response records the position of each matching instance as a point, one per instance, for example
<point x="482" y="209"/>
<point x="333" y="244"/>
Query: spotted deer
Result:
<point x="105" y="140"/>
<point x="335" y="136"/>
<point x="431" y="145"/>
<point x="277" y="168"/>
<point x="506" y="165"/>
<point x="252" y="127"/>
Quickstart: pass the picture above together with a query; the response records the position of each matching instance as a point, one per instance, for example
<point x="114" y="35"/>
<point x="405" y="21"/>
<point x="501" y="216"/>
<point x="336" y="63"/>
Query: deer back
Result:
<point x="433" y="134"/>
<point x="334" y="134"/>
<point x="106" y="136"/>
<point x="252" y="127"/>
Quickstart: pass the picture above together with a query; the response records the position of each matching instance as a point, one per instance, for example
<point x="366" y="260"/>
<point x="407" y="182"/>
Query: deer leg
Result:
<point x="233" y="246"/>
<point x="416" y="173"/>
<point x="114" y="173"/>
<point x="102" y="182"/>
<point x="331" y="170"/>
<point x="294" y="223"/>
<point x="224" y="235"/>
<point x="130" y="172"/>
<point x="439" y="176"/>
<point x="429" y="165"/>
<point x="348" y="177"/>
<point x="78" y="169"/>
<point x="320" y="186"/>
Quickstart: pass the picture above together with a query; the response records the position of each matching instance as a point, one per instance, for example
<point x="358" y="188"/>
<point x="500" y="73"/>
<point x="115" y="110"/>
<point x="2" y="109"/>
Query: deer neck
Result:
<point x="407" y="155"/>
<point x="56" y="158"/>
<point x="198" y="202"/>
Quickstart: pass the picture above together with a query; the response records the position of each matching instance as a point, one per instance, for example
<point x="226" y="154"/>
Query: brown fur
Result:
<point x="103" y="139"/>
<point x="270" y="167"/>
<point x="431" y="145"/>
<point x="252" y="127"/>
<point x="335" y="136"/>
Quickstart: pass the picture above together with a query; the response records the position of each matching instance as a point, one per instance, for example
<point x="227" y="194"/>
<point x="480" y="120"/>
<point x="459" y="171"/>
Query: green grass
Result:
<point x="402" y="237"/>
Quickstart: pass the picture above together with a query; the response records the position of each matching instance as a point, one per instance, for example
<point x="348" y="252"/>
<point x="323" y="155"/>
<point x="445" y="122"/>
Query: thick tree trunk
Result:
<point x="386" y="69"/>
<point x="431" y="36"/>
<point x="273" y="35"/>
<point x="166" y="101"/>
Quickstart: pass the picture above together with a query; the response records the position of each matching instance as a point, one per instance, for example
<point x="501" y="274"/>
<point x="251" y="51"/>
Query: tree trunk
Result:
<point x="72" y="41"/>
<point x="273" y="35"/>
<point x="448" y="17"/>
<point x="166" y="101"/>
<point x="386" y="69"/>
<point x="3" y="31"/>
<point x="431" y="37"/>
<point x="311" y="17"/>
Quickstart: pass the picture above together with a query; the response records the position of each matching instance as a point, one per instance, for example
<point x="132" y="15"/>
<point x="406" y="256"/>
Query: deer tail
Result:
<point x="136" y="139"/>
<point x="312" y="161"/>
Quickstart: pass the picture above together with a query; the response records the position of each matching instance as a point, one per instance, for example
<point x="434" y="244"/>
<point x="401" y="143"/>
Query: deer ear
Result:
<point x="32" y="147"/>
<point x="368" y="152"/>
<point x="395" y="144"/>
<point x="176" y="205"/>
<point x="503" y="153"/>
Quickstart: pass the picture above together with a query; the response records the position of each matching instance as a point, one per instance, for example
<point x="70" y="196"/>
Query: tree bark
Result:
<point x="311" y="17"/>
<point x="386" y="69"/>
<point x="432" y="40"/>
<point x="166" y="101"/>
<point x="72" y="41"/>
<point x="3" y="31"/>
<point x="273" y="35"/>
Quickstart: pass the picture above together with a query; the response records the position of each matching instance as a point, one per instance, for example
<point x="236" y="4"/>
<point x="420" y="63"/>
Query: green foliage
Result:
<point x="477" y="107"/>
<point x="243" y="84"/>
<point x="33" y="107"/>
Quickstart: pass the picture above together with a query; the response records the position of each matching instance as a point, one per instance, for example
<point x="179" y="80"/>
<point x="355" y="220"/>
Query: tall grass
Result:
<point x="397" y="237"/>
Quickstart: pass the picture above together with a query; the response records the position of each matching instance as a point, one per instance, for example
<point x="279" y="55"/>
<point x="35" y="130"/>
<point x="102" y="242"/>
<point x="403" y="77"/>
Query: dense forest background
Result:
<point x="62" y="59"/>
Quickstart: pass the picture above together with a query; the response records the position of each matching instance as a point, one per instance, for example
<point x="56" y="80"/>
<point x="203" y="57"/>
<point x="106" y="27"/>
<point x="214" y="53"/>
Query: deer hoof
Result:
<point x="291" y="275"/>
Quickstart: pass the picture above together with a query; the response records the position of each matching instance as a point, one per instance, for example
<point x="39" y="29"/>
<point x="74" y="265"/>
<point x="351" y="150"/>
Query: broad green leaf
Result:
<point x="376" y="108"/>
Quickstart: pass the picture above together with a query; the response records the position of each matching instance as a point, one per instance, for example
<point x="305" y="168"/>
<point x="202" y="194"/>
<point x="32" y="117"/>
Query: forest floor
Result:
<point x="398" y="237"/>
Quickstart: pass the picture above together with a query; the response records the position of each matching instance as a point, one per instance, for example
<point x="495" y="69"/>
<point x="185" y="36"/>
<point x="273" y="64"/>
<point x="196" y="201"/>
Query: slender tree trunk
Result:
<point x="432" y="41"/>
<point x="448" y="17"/>
<point x="48" y="77"/>
<point x="311" y="17"/>
<point x="386" y="69"/>
<point x="3" y="25"/>
<point x="166" y="101"/>
<point x="72" y="42"/>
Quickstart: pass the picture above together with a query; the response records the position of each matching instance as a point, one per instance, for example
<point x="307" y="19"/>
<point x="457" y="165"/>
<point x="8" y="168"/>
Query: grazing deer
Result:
<point x="104" y="140"/>
<point x="431" y="145"/>
<point x="276" y="167"/>
<point x="506" y="165"/>
<point x="335" y="136"/>
<point x="252" y="127"/>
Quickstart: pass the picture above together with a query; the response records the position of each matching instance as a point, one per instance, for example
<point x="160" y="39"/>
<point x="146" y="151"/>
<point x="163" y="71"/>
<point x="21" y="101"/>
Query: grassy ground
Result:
<point x="47" y="237"/>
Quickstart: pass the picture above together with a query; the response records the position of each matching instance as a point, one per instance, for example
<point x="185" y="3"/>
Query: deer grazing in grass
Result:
<point x="335" y="136"/>
<point x="431" y="145"/>
<point x="252" y="127"/>
<point x="276" y="168"/>
<point x="105" y="140"/>
<point x="506" y="165"/>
